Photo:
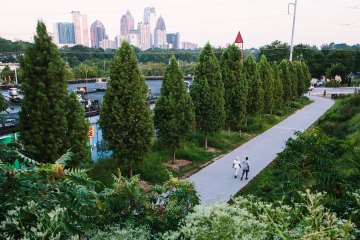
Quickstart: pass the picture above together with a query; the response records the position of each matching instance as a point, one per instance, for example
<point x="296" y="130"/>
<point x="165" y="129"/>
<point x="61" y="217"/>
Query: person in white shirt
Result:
<point x="236" y="165"/>
<point x="246" y="169"/>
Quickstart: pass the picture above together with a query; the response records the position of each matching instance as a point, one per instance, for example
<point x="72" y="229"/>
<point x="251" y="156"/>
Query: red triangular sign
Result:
<point x="239" y="38"/>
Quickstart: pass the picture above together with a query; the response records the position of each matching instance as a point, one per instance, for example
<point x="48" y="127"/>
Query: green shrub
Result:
<point x="103" y="169"/>
<point x="52" y="202"/>
<point x="152" y="168"/>
<point x="48" y="200"/>
<point x="130" y="232"/>
<point x="332" y="84"/>
<point x="250" y="218"/>
<point x="196" y="155"/>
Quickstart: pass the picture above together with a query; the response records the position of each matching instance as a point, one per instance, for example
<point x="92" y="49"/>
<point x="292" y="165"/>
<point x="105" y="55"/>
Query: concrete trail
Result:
<point x="216" y="182"/>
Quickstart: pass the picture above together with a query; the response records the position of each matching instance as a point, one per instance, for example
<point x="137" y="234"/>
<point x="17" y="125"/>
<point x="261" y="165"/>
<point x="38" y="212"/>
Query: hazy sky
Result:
<point x="217" y="21"/>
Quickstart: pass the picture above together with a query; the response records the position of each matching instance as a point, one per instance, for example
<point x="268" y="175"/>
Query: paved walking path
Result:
<point x="216" y="182"/>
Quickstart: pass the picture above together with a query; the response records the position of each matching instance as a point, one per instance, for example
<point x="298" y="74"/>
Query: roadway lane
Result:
<point x="216" y="182"/>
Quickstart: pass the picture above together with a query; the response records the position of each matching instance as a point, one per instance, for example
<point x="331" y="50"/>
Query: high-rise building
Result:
<point x="81" y="28"/>
<point x="188" y="45"/>
<point x="64" y="33"/>
<point x="150" y="19"/>
<point x="126" y="23"/>
<point x="133" y="38"/>
<point x="97" y="33"/>
<point x="144" y="36"/>
<point x="124" y="26"/>
<point x="118" y="40"/>
<point x="107" y="44"/>
<point x="130" y="20"/>
<point x="160" y="34"/>
<point x="173" y="40"/>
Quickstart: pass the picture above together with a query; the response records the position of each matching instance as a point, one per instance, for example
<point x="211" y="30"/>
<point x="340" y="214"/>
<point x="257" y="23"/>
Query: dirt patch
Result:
<point x="212" y="150"/>
<point x="146" y="186"/>
<point x="178" y="163"/>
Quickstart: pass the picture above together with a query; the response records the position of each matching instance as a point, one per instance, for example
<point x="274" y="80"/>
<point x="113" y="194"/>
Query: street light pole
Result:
<point x="292" y="34"/>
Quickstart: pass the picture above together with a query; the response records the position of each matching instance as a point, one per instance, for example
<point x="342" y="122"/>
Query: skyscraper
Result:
<point x="173" y="40"/>
<point x="126" y="23"/>
<point x="150" y="19"/>
<point x="81" y="28"/>
<point x="133" y="38"/>
<point x="160" y="34"/>
<point x="64" y="33"/>
<point x="144" y="36"/>
<point x="97" y="33"/>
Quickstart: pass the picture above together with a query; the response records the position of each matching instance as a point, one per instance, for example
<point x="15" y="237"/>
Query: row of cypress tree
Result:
<point x="222" y="94"/>
<point x="226" y="93"/>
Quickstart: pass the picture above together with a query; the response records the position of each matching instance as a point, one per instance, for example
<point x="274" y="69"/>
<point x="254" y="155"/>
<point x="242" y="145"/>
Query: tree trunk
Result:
<point x="174" y="156"/>
<point x="229" y="129"/>
<point x="206" y="140"/>
<point x="246" y="118"/>
<point x="130" y="170"/>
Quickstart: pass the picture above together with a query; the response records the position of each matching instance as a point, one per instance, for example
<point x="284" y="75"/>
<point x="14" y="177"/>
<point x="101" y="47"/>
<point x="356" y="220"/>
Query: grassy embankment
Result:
<point x="339" y="130"/>
<point x="154" y="170"/>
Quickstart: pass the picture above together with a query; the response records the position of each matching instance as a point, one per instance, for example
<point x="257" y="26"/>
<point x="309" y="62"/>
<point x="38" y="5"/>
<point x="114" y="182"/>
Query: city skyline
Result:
<point x="259" y="21"/>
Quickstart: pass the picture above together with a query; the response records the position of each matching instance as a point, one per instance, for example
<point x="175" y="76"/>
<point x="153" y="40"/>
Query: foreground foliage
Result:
<point x="48" y="201"/>
<point x="250" y="218"/>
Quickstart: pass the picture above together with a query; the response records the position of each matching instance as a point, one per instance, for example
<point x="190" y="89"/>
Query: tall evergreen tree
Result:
<point x="255" y="102"/>
<point x="77" y="132"/>
<point x="173" y="111"/>
<point x="285" y="78"/>
<point x="43" y="124"/>
<point x="125" y="117"/>
<point x="307" y="76"/>
<point x="278" y="86"/>
<point x="293" y="80"/>
<point x="301" y="87"/>
<point x="234" y="85"/>
<point x="267" y="78"/>
<point x="207" y="92"/>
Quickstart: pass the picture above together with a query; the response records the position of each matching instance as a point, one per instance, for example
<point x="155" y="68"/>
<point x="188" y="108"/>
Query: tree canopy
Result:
<point x="43" y="124"/>
<point x="125" y="117"/>
<point x="174" y="115"/>
<point x="235" y="86"/>
<point x="207" y="92"/>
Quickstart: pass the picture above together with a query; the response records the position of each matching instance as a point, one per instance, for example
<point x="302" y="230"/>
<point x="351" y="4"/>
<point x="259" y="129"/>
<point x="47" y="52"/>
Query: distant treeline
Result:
<point x="330" y="60"/>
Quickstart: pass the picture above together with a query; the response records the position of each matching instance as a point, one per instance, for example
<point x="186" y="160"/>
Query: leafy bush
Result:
<point x="37" y="190"/>
<point x="172" y="202"/>
<point x="130" y="232"/>
<point x="51" y="202"/>
<point x="250" y="218"/>
<point x="152" y="168"/>
<point x="332" y="84"/>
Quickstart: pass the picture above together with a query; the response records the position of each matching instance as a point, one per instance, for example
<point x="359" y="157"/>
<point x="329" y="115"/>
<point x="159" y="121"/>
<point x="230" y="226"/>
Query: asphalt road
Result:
<point x="216" y="182"/>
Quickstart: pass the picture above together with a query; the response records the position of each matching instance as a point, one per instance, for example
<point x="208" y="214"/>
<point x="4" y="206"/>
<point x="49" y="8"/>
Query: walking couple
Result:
<point x="244" y="166"/>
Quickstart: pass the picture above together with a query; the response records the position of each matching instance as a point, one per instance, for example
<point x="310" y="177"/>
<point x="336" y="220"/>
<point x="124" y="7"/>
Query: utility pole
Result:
<point x="293" y="28"/>
<point x="16" y="80"/>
